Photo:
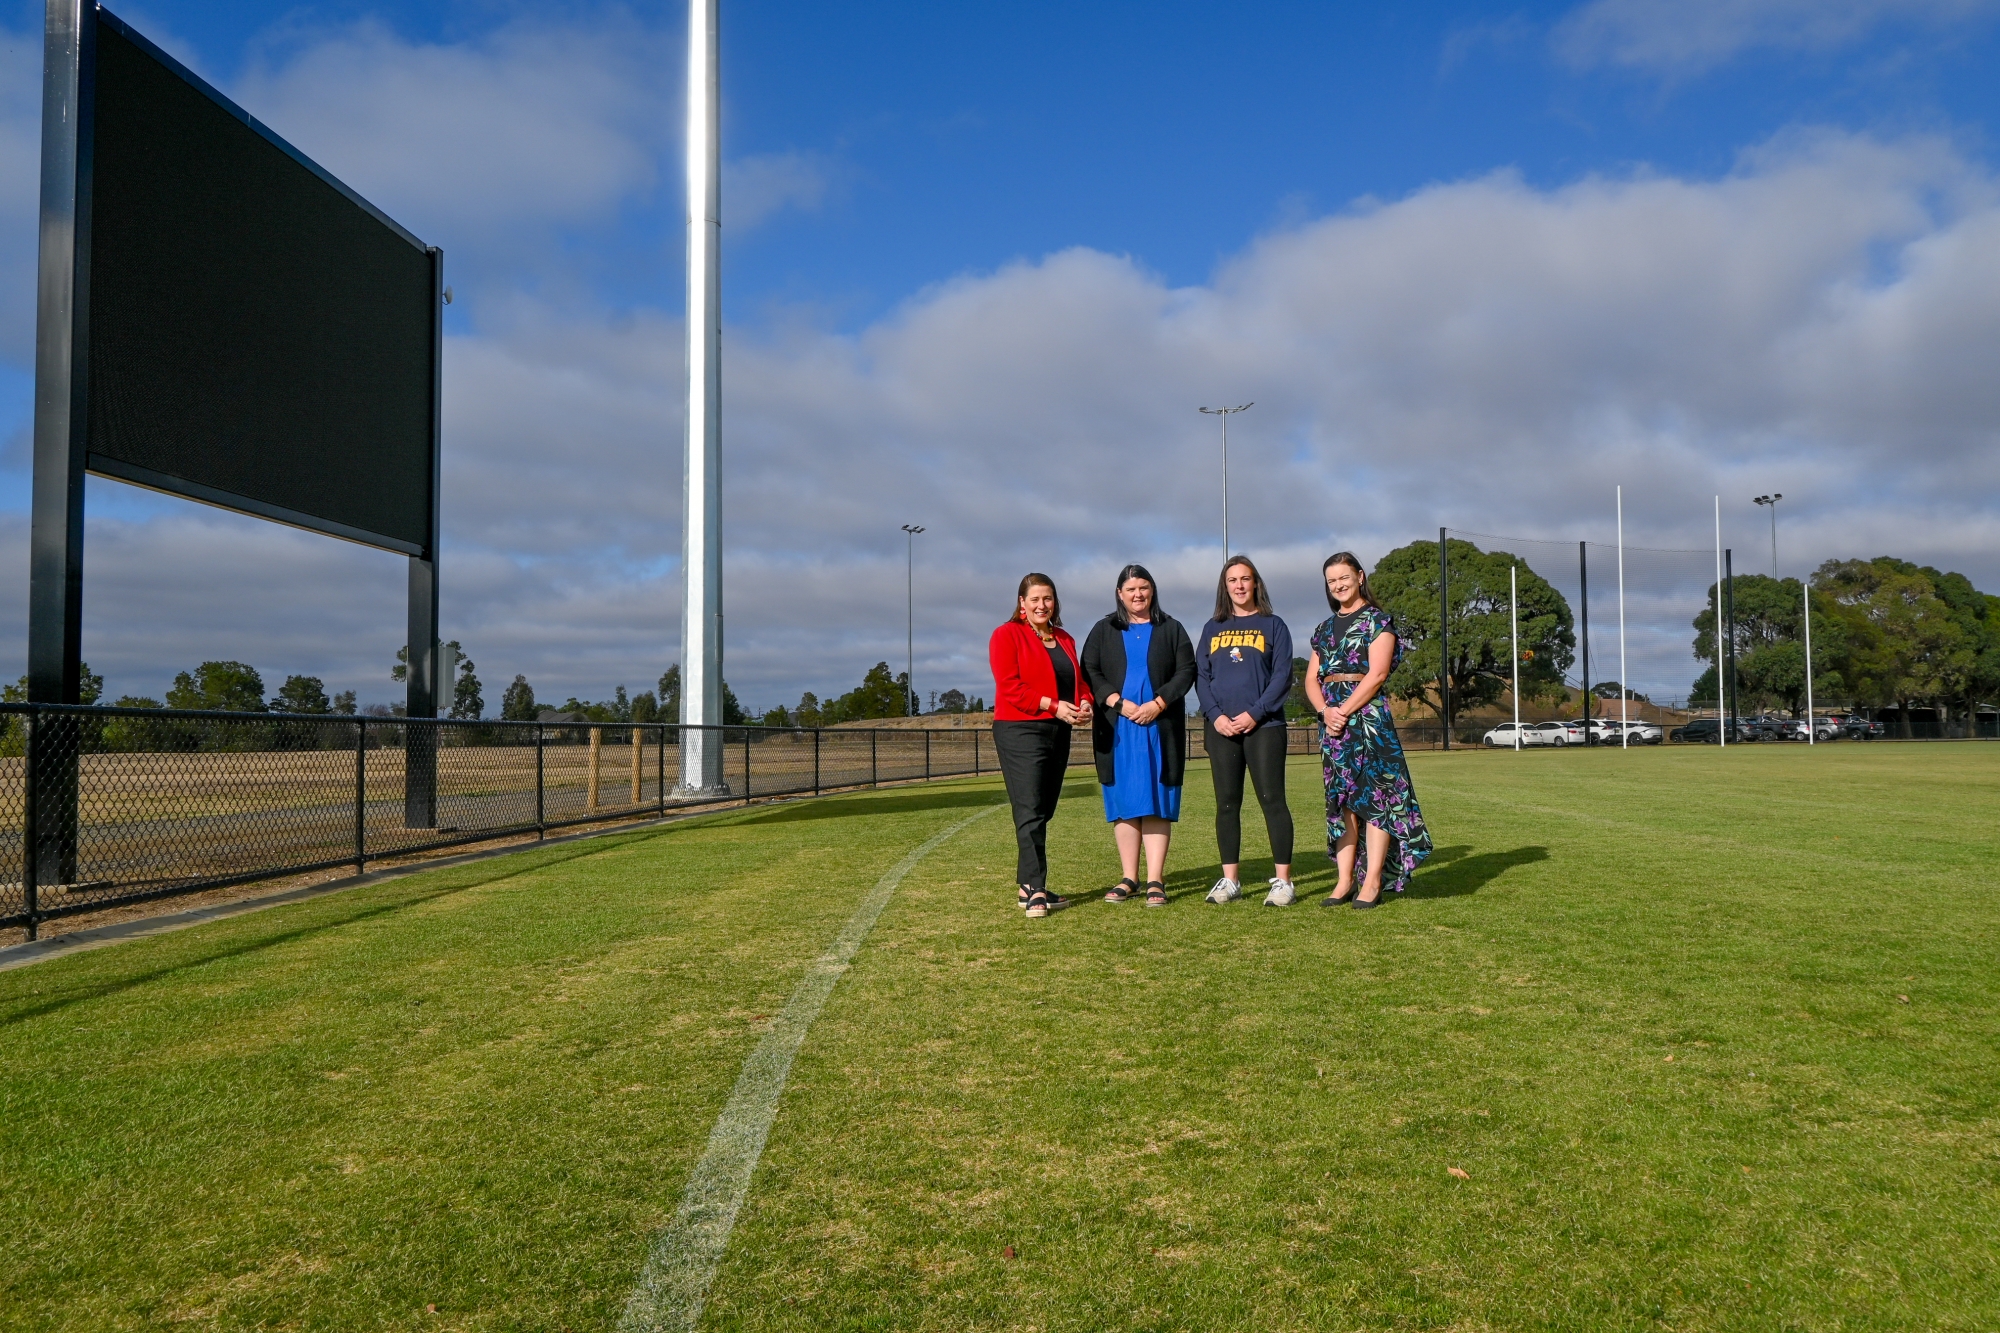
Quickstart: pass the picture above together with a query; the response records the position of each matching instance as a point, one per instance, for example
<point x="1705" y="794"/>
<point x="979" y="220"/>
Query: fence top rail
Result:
<point x="376" y="720"/>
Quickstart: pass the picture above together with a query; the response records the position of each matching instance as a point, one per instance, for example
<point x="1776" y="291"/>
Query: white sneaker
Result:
<point x="1281" y="894"/>
<point x="1225" y="889"/>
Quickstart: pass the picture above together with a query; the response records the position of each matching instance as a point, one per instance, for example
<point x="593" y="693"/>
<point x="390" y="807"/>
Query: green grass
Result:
<point x="482" y="1088"/>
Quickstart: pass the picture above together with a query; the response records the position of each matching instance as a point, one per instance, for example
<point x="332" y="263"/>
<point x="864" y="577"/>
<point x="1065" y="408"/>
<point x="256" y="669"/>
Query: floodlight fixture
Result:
<point x="1225" y="413"/>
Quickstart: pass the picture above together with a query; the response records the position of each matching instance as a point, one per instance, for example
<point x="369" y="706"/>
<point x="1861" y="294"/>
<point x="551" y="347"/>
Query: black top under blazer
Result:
<point x="1170" y="662"/>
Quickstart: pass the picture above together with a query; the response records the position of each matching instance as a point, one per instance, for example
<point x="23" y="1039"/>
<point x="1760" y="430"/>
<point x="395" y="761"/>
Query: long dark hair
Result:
<point x="1353" y="562"/>
<point x="1118" y="613"/>
<point x="1037" y="581"/>
<point x="1260" y="596"/>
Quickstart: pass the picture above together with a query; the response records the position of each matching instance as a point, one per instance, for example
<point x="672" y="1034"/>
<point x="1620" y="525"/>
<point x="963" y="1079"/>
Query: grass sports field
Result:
<point x="1714" y="1039"/>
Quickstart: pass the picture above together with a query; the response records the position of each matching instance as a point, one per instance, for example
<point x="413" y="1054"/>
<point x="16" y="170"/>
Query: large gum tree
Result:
<point x="1405" y="583"/>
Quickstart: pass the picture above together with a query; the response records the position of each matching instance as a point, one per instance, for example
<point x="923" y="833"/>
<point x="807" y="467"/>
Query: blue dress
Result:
<point x="1135" y="750"/>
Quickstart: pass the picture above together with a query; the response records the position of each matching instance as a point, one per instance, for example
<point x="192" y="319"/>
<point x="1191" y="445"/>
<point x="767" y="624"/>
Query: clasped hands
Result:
<point x="1240" y="725"/>
<point x="1073" y="713"/>
<point x="1144" y="714"/>
<point x="1335" y="720"/>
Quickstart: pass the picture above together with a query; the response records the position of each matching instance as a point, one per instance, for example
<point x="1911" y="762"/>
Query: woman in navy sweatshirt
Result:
<point x="1243" y="671"/>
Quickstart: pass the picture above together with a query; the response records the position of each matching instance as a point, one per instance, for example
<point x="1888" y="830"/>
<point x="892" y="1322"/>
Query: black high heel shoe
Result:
<point x="1361" y="906"/>
<point x="1339" y="899"/>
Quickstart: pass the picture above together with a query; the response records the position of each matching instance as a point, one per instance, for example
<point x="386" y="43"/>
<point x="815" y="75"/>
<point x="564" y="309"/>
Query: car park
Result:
<point x="1707" y="731"/>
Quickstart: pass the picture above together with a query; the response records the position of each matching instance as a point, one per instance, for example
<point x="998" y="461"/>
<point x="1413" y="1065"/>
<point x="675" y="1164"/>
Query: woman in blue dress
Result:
<point x="1140" y="662"/>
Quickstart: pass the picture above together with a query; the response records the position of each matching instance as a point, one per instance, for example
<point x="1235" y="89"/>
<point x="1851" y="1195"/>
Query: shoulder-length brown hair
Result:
<point x="1260" y="596"/>
<point x="1119" y="615"/>
<point x="1038" y="581"/>
<point x="1353" y="562"/>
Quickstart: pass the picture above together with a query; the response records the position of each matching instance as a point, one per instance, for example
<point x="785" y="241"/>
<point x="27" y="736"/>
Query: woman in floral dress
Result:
<point x="1367" y="779"/>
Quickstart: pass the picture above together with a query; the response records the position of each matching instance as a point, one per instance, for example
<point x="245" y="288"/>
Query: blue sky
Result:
<point x="1477" y="264"/>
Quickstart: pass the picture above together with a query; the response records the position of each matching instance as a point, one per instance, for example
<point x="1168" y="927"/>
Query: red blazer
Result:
<point x="1023" y="675"/>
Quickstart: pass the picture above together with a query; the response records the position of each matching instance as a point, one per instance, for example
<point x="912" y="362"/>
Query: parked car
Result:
<point x="1862" y="729"/>
<point x="1707" y="731"/>
<point x="1501" y="737"/>
<point x="1642" y="733"/>
<point x="1558" y="733"/>
<point x="1818" y="728"/>
<point x="1603" y="730"/>
<point x="1767" y="728"/>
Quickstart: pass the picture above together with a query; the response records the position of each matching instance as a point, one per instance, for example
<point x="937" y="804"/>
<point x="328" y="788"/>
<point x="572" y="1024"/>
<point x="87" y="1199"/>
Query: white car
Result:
<point x="1640" y="733"/>
<point x="1535" y="733"/>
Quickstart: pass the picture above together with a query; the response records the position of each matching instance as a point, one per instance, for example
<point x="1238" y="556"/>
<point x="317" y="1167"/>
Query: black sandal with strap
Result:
<point x="1124" y="890"/>
<point x="1156" y="893"/>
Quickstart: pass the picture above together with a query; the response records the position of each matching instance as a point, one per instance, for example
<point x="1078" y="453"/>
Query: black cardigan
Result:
<point x="1170" y="662"/>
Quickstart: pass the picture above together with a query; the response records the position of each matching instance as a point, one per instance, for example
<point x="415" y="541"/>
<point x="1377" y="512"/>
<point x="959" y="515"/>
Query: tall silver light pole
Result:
<point x="1225" y="413"/>
<point x="1771" y="502"/>
<point x="701" y="502"/>
<point x="910" y="613"/>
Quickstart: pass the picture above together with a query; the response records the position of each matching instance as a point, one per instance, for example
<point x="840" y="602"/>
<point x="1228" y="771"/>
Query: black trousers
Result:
<point x="1263" y="753"/>
<point x="1033" y="759"/>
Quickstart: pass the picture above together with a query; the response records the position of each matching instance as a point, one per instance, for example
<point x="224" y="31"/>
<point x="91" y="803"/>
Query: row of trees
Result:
<point x="1886" y="633"/>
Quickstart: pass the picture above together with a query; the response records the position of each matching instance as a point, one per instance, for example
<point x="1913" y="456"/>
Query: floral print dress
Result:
<point x="1364" y="765"/>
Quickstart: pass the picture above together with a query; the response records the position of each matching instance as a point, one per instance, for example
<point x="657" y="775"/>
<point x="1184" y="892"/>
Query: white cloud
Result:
<point x="490" y="142"/>
<point x="755" y="187"/>
<point x="1689" y="36"/>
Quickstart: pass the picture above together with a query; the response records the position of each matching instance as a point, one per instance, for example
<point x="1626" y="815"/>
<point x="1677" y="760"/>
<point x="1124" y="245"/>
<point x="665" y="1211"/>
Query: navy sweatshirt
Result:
<point x="1244" y="665"/>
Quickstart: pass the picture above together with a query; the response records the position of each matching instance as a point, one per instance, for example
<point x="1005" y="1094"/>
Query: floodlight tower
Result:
<point x="1225" y="413"/>
<point x="1771" y="502"/>
<point x="701" y="499"/>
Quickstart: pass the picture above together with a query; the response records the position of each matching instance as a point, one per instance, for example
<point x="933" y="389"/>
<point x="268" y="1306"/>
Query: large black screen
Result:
<point x="258" y="338"/>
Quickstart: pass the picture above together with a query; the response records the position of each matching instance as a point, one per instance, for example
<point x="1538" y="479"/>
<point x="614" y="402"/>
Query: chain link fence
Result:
<point x="107" y="806"/>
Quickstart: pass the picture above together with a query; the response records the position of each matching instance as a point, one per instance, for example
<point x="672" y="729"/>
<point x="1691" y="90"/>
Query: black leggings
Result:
<point x="1034" y="756"/>
<point x="1263" y="753"/>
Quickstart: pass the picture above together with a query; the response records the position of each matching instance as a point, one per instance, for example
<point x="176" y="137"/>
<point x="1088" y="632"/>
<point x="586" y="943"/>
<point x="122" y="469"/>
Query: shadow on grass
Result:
<point x="62" y="999"/>
<point x="867" y="803"/>
<point x="1464" y="872"/>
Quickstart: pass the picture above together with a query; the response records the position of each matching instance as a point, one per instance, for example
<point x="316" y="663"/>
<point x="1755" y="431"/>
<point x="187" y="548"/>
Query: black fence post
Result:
<point x="746" y="763"/>
<point x="874" y="769"/>
<point x="975" y="752"/>
<point x="30" y="825"/>
<point x="360" y="795"/>
<point x="927" y="754"/>
<point x="1583" y="589"/>
<point x="541" y="808"/>
<point x="660" y="795"/>
<point x="815" y="761"/>
<point x="1444" y="639"/>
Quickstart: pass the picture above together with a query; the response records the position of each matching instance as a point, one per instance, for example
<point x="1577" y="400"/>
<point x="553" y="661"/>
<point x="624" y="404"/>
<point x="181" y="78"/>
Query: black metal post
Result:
<point x="422" y="684"/>
<point x="1583" y="580"/>
<point x="1727" y="688"/>
<point x="541" y="808"/>
<point x="30" y="826"/>
<point x="746" y="763"/>
<point x="62" y="385"/>
<point x="1444" y="639"/>
<point x="815" y="761"/>
<point x="927" y="754"/>
<point x="874" y="769"/>
<point x="660" y="792"/>
<point x="360" y="794"/>
<point x="975" y="752"/>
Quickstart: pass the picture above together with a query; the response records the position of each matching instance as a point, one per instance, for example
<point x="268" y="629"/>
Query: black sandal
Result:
<point x="1122" y="891"/>
<point x="1038" y="903"/>
<point x="1156" y="893"/>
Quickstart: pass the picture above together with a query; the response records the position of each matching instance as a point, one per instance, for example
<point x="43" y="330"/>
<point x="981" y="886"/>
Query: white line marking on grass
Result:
<point x="686" y="1255"/>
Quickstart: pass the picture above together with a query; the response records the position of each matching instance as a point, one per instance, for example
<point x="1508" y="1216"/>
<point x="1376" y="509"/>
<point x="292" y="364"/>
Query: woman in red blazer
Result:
<point x="1038" y="695"/>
